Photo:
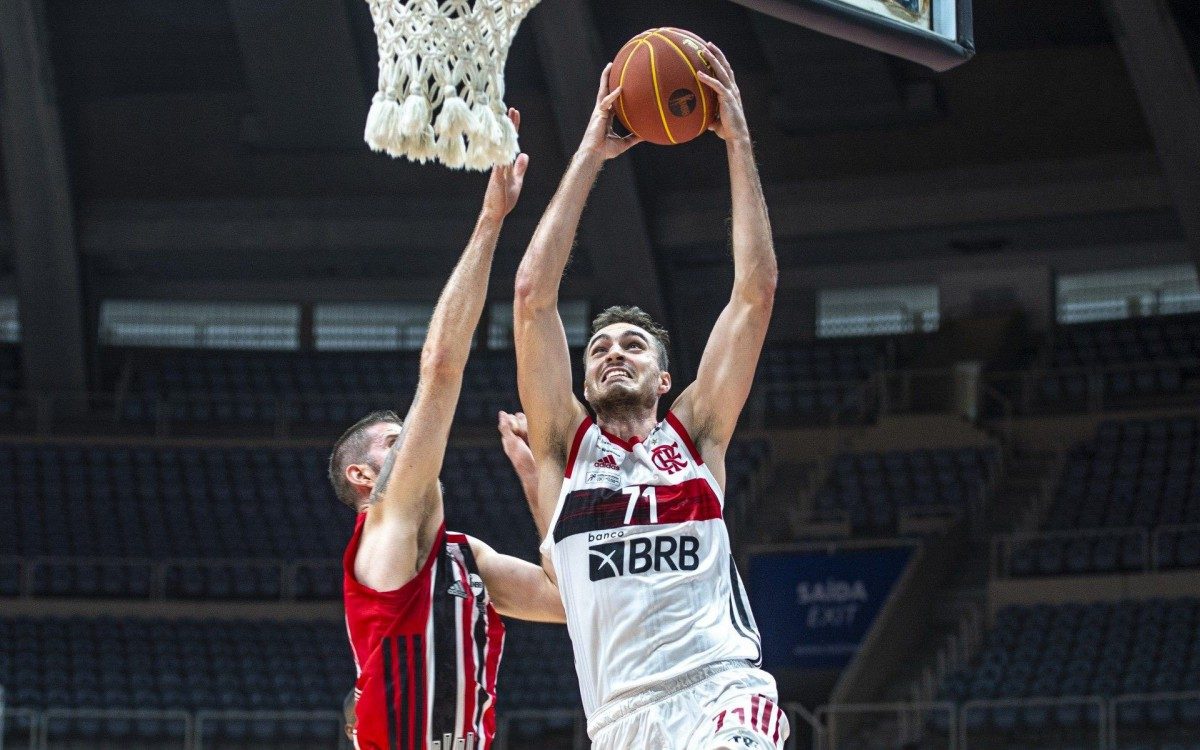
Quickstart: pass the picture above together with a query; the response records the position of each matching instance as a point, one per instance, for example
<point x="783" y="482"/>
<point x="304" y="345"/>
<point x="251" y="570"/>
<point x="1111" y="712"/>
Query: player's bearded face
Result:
<point x="622" y="376"/>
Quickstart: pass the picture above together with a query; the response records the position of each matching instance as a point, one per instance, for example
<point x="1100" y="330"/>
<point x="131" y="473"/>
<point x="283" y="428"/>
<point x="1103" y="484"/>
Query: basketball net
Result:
<point x="441" y="80"/>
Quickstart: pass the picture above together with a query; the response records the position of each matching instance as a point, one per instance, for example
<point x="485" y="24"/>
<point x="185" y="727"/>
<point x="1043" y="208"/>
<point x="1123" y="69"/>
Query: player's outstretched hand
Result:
<point x="599" y="139"/>
<point x="504" y="187"/>
<point x="514" y="436"/>
<point x="731" y="117"/>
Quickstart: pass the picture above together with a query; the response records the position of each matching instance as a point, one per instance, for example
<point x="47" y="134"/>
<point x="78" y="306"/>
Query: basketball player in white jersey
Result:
<point x="666" y="648"/>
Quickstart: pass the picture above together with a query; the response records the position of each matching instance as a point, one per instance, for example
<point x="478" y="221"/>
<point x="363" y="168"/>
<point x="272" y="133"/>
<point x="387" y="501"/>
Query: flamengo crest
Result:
<point x="668" y="458"/>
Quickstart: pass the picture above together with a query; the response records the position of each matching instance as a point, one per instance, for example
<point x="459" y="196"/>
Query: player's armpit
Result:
<point x="394" y="548"/>
<point x="518" y="588"/>
<point x="710" y="406"/>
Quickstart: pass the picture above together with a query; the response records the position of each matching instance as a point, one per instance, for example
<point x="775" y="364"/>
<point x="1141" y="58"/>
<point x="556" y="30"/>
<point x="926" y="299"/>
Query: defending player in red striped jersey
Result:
<point x="423" y="604"/>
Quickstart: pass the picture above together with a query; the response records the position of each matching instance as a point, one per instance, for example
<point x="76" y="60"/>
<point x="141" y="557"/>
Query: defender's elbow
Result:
<point x="759" y="290"/>
<point x="439" y="364"/>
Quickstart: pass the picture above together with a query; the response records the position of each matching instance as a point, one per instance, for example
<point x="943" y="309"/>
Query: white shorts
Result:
<point x="722" y="706"/>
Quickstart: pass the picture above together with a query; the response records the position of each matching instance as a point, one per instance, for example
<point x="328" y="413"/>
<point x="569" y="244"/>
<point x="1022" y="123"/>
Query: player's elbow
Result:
<point x="437" y="363"/>
<point x="758" y="289"/>
<point x="528" y="295"/>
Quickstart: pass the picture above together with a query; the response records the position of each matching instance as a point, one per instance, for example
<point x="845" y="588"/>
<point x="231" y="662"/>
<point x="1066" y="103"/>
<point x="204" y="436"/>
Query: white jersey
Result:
<point x="644" y="566"/>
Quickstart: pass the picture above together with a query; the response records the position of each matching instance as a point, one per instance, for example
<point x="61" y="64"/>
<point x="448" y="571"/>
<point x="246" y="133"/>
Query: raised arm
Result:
<point x="514" y="436"/>
<point x="543" y="361"/>
<point x="711" y="405"/>
<point x="518" y="588"/>
<point x="406" y="501"/>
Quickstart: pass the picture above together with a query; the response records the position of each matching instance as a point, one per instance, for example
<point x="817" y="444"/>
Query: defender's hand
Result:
<point x="731" y="117"/>
<point x="514" y="436"/>
<point x="504" y="187"/>
<point x="599" y="139"/>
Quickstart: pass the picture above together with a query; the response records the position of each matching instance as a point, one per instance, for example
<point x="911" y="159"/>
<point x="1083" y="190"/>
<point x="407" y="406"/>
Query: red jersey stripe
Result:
<point x="687" y="438"/>
<point x="571" y="454"/>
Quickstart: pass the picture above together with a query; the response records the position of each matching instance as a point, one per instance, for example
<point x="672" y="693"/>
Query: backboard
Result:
<point x="935" y="33"/>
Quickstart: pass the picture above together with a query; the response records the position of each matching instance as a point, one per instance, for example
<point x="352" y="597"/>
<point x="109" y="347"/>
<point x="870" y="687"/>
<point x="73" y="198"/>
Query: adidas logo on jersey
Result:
<point x="607" y="462"/>
<point x="643" y="555"/>
<point x="457" y="589"/>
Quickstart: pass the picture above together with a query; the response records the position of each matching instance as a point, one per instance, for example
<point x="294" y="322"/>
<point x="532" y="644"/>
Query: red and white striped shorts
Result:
<point x="724" y="706"/>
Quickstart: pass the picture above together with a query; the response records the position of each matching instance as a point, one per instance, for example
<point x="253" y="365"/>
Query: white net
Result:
<point x="441" y="80"/>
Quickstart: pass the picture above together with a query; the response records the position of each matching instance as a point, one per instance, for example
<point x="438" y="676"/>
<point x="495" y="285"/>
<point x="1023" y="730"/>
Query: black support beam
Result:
<point x="40" y="208"/>
<point x="1166" y="83"/>
<point x="614" y="231"/>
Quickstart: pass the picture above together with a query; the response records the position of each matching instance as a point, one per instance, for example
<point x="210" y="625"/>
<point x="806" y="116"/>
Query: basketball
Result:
<point x="662" y="99"/>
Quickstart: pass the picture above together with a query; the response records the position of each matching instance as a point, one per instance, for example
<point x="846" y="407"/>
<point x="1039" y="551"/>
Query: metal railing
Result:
<point x="1158" y="543"/>
<point x="121" y="723"/>
<point x="1006" y="546"/>
<point x="12" y="717"/>
<point x="955" y="653"/>
<point x="912" y="519"/>
<point x="197" y="413"/>
<point x="1163" y="712"/>
<point x="1152" y="544"/>
<point x="161" y="579"/>
<point x="210" y="728"/>
<point x="325" y="726"/>
<point x="1002" y="395"/>
<point x="1088" y="721"/>
<point x="1014" y="718"/>
<point x="575" y="719"/>
<point x="849" y="726"/>
<point x="1090" y="389"/>
<point x="835" y="403"/>
<point x="804" y="725"/>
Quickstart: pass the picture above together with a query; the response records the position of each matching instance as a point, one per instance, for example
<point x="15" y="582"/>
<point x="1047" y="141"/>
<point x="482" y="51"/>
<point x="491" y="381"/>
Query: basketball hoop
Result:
<point x="441" y="80"/>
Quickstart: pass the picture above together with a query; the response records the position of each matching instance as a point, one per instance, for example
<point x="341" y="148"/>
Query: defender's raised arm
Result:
<point x="712" y="404"/>
<point x="405" y="500"/>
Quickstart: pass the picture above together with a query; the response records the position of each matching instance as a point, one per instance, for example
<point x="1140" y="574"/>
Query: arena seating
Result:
<point x="195" y="665"/>
<point x="223" y="387"/>
<point x="872" y="490"/>
<point x="1162" y="355"/>
<point x="1131" y="478"/>
<point x="811" y="380"/>
<point x="1098" y="649"/>
<point x="224" y="517"/>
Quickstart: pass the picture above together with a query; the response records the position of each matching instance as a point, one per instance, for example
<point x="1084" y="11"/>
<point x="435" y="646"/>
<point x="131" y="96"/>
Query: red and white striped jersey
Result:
<point x="426" y="654"/>
<point x="639" y="544"/>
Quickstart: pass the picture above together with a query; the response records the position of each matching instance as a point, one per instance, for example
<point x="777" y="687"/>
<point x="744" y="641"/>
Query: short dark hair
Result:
<point x="350" y="448"/>
<point x="640" y="318"/>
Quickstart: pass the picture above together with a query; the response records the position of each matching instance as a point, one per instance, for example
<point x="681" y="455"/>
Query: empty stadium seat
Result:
<point x="1140" y="481"/>
<point x="1161" y="354"/>
<point x="335" y="388"/>
<point x="872" y="490"/>
<point x="816" y="379"/>
<point x="195" y="665"/>
<point x="232" y="521"/>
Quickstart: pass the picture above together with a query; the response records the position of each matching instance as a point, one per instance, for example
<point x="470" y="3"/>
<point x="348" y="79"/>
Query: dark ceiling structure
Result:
<point x="211" y="149"/>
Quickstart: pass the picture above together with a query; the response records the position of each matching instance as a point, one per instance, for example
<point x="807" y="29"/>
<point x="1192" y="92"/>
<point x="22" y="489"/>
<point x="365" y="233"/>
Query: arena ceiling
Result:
<point x="212" y="148"/>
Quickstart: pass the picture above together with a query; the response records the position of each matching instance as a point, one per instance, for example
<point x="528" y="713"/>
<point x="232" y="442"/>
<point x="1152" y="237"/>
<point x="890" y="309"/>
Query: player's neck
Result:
<point x="628" y="426"/>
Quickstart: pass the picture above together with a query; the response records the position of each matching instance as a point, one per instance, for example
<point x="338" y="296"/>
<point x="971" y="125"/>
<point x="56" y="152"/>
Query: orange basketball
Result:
<point x="662" y="99"/>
